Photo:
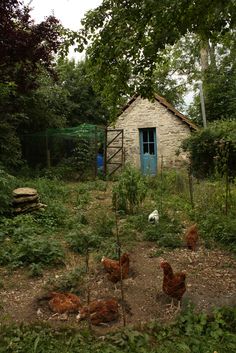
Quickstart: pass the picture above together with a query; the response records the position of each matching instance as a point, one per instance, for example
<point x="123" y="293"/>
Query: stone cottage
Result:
<point x="152" y="133"/>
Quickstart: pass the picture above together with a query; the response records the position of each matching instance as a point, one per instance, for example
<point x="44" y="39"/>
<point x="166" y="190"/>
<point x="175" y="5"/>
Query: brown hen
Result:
<point x="64" y="302"/>
<point x="100" y="311"/>
<point x="191" y="237"/>
<point x="173" y="283"/>
<point x="112" y="267"/>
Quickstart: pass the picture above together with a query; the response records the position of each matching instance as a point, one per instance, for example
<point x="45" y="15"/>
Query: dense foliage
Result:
<point x="83" y="105"/>
<point x="37" y="90"/>
<point x="213" y="149"/>
<point x="126" y="38"/>
<point x="217" y="74"/>
<point x="130" y="190"/>
<point x="26" y="48"/>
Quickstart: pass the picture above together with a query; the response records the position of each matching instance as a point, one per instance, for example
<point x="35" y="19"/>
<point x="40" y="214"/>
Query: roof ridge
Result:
<point x="165" y="103"/>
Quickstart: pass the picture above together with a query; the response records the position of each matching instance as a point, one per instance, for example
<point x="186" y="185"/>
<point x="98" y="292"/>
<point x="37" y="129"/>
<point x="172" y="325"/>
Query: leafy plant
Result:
<point x="130" y="191"/>
<point x="219" y="228"/>
<point x="7" y="184"/>
<point x="82" y="239"/>
<point x="35" y="270"/>
<point x="204" y="148"/>
<point x="191" y="332"/>
<point x="104" y="224"/>
<point x="70" y="281"/>
<point x="55" y="215"/>
<point x="39" y="251"/>
<point x="83" y="156"/>
<point x="166" y="233"/>
<point x="31" y="250"/>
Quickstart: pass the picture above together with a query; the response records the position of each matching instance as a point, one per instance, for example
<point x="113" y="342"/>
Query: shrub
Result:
<point x="218" y="227"/>
<point x="55" y="215"/>
<point x="34" y="250"/>
<point x="130" y="191"/>
<point x="72" y="281"/>
<point x="7" y="184"/>
<point x="207" y="146"/>
<point x="31" y="251"/>
<point x="82" y="239"/>
<point x="104" y="224"/>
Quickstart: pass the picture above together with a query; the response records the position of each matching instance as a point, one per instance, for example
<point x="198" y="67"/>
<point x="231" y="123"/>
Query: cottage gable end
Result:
<point x="170" y="128"/>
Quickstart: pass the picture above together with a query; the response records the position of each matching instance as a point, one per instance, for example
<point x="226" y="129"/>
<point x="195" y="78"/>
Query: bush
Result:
<point x="72" y="281"/>
<point x="104" y="224"/>
<point x="55" y="215"/>
<point x="82" y="239"/>
<point x="210" y="147"/>
<point x="220" y="228"/>
<point x="7" y="184"/>
<point x="31" y="250"/>
<point x="130" y="190"/>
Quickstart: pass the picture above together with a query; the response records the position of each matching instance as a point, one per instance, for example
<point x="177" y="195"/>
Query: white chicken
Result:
<point x="154" y="217"/>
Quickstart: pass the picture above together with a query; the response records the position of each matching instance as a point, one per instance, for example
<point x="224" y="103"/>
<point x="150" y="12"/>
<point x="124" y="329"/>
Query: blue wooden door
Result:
<point x="148" y="151"/>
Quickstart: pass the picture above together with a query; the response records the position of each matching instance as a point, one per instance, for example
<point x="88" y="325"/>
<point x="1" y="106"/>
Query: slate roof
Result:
<point x="168" y="106"/>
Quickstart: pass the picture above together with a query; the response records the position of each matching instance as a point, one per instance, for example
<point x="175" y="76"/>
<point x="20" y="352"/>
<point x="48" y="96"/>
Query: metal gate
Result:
<point x="114" y="151"/>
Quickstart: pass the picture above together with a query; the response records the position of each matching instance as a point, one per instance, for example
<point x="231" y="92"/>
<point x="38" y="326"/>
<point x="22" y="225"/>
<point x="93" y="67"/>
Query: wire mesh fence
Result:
<point x="79" y="148"/>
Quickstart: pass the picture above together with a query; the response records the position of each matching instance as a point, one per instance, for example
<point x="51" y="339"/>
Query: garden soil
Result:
<point x="211" y="282"/>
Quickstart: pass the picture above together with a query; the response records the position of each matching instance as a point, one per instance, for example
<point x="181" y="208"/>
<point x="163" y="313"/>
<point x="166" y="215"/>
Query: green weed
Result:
<point x="130" y="191"/>
<point x="191" y="333"/>
<point x="35" y="270"/>
<point x="72" y="281"/>
<point x="7" y="184"/>
<point x="103" y="224"/>
<point x="82" y="239"/>
<point x="166" y="233"/>
<point x="31" y="250"/>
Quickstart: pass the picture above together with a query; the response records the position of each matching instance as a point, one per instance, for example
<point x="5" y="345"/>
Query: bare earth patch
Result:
<point x="211" y="282"/>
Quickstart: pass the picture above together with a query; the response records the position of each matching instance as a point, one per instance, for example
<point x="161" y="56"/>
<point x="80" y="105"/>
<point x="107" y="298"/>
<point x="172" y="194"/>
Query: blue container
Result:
<point x="99" y="161"/>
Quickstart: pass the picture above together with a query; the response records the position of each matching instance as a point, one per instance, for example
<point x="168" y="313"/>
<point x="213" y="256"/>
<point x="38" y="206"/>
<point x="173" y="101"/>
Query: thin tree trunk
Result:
<point x="212" y="54"/>
<point x="204" y="54"/>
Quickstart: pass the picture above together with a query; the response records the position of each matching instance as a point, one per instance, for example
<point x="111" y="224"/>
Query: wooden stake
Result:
<point x="190" y="181"/>
<point x="121" y="269"/>
<point x="87" y="269"/>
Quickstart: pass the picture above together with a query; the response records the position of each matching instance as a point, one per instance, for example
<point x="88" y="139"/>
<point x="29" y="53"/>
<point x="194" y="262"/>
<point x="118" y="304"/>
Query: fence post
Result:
<point x="105" y="154"/>
<point x="48" y="154"/>
<point x="95" y="152"/>
<point x="121" y="269"/>
<point x="190" y="181"/>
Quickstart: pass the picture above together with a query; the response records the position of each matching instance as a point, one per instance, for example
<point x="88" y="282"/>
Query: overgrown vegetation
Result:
<point x="130" y="190"/>
<point x="213" y="149"/>
<point x="39" y="240"/>
<point x="190" y="333"/>
<point x="74" y="223"/>
<point x="7" y="184"/>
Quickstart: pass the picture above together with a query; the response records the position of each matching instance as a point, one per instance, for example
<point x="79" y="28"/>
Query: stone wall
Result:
<point x="170" y="131"/>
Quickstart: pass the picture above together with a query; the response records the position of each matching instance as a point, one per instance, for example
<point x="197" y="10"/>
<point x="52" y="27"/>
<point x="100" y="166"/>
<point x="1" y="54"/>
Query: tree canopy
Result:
<point x="82" y="105"/>
<point x="26" y="49"/>
<point x="124" y="38"/>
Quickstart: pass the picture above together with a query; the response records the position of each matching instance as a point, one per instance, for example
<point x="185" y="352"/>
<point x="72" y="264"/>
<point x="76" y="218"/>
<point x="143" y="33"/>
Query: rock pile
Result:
<point x="26" y="200"/>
